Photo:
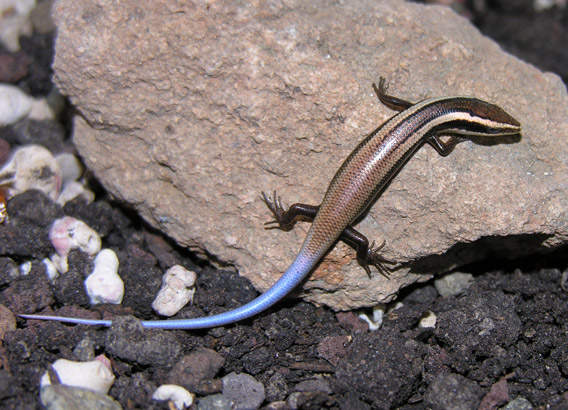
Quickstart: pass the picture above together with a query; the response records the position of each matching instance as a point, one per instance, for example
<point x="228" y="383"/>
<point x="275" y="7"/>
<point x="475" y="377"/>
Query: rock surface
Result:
<point x="189" y="122"/>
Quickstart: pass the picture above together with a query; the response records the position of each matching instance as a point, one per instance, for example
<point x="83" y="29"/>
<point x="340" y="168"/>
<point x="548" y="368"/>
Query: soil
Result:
<point x="503" y="340"/>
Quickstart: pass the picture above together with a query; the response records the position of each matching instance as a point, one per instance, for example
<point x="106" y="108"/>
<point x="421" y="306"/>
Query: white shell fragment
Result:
<point x="175" y="292"/>
<point x="71" y="167"/>
<point x="50" y="269"/>
<point x="14" y="104"/>
<point x="68" y="233"/>
<point x="378" y="314"/>
<point x="14" y="21"/>
<point x="31" y="167"/>
<point x="104" y="285"/>
<point x="60" y="263"/>
<point x="428" y="320"/>
<point x="73" y="190"/>
<point x="94" y="375"/>
<point x="181" y="398"/>
<point x="25" y="268"/>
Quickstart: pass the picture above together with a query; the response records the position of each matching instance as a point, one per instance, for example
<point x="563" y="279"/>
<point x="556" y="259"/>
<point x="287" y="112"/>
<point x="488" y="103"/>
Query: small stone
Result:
<point x="276" y="388"/>
<point x="214" y="402"/>
<point x="55" y="397"/>
<point x="520" y="403"/>
<point x="104" y="285"/>
<point x="244" y="392"/>
<point x="7" y="321"/>
<point x="176" y="291"/>
<point x="128" y="340"/>
<point x="453" y="284"/>
<point x="201" y="364"/>
<point x="180" y="397"/>
<point x="278" y="405"/>
<point x="95" y="375"/>
<point x="452" y="391"/>
<point x="307" y="399"/>
<point x="8" y="271"/>
<point x="85" y="350"/>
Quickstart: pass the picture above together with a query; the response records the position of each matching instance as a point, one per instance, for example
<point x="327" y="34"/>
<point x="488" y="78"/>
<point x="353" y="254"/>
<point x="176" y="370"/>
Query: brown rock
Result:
<point x="196" y="370"/>
<point x="189" y="111"/>
<point x="7" y="321"/>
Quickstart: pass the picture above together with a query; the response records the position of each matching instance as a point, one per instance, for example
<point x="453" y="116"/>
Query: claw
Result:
<point x="277" y="209"/>
<point x="379" y="262"/>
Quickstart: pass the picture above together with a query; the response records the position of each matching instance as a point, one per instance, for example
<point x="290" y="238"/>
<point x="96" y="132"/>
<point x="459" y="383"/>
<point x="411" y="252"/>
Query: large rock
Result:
<point x="190" y="110"/>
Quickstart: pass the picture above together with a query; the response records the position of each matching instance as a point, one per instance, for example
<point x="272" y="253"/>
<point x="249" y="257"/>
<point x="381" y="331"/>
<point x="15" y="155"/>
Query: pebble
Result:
<point x="214" y="402"/>
<point x="68" y="233"/>
<point x="175" y="292"/>
<point x="9" y="271"/>
<point x="61" y="397"/>
<point x="95" y="375"/>
<point x="7" y="321"/>
<point x="244" y="392"/>
<point x="85" y="349"/>
<point x="193" y="369"/>
<point x="31" y="167"/>
<point x="131" y="342"/>
<point x="180" y="397"/>
<point x="452" y="391"/>
<point x="520" y="403"/>
<point x="453" y="284"/>
<point x="104" y="285"/>
<point x="14" y="22"/>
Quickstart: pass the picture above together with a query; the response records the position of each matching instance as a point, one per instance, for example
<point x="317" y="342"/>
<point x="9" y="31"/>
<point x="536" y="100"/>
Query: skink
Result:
<point x="354" y="187"/>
